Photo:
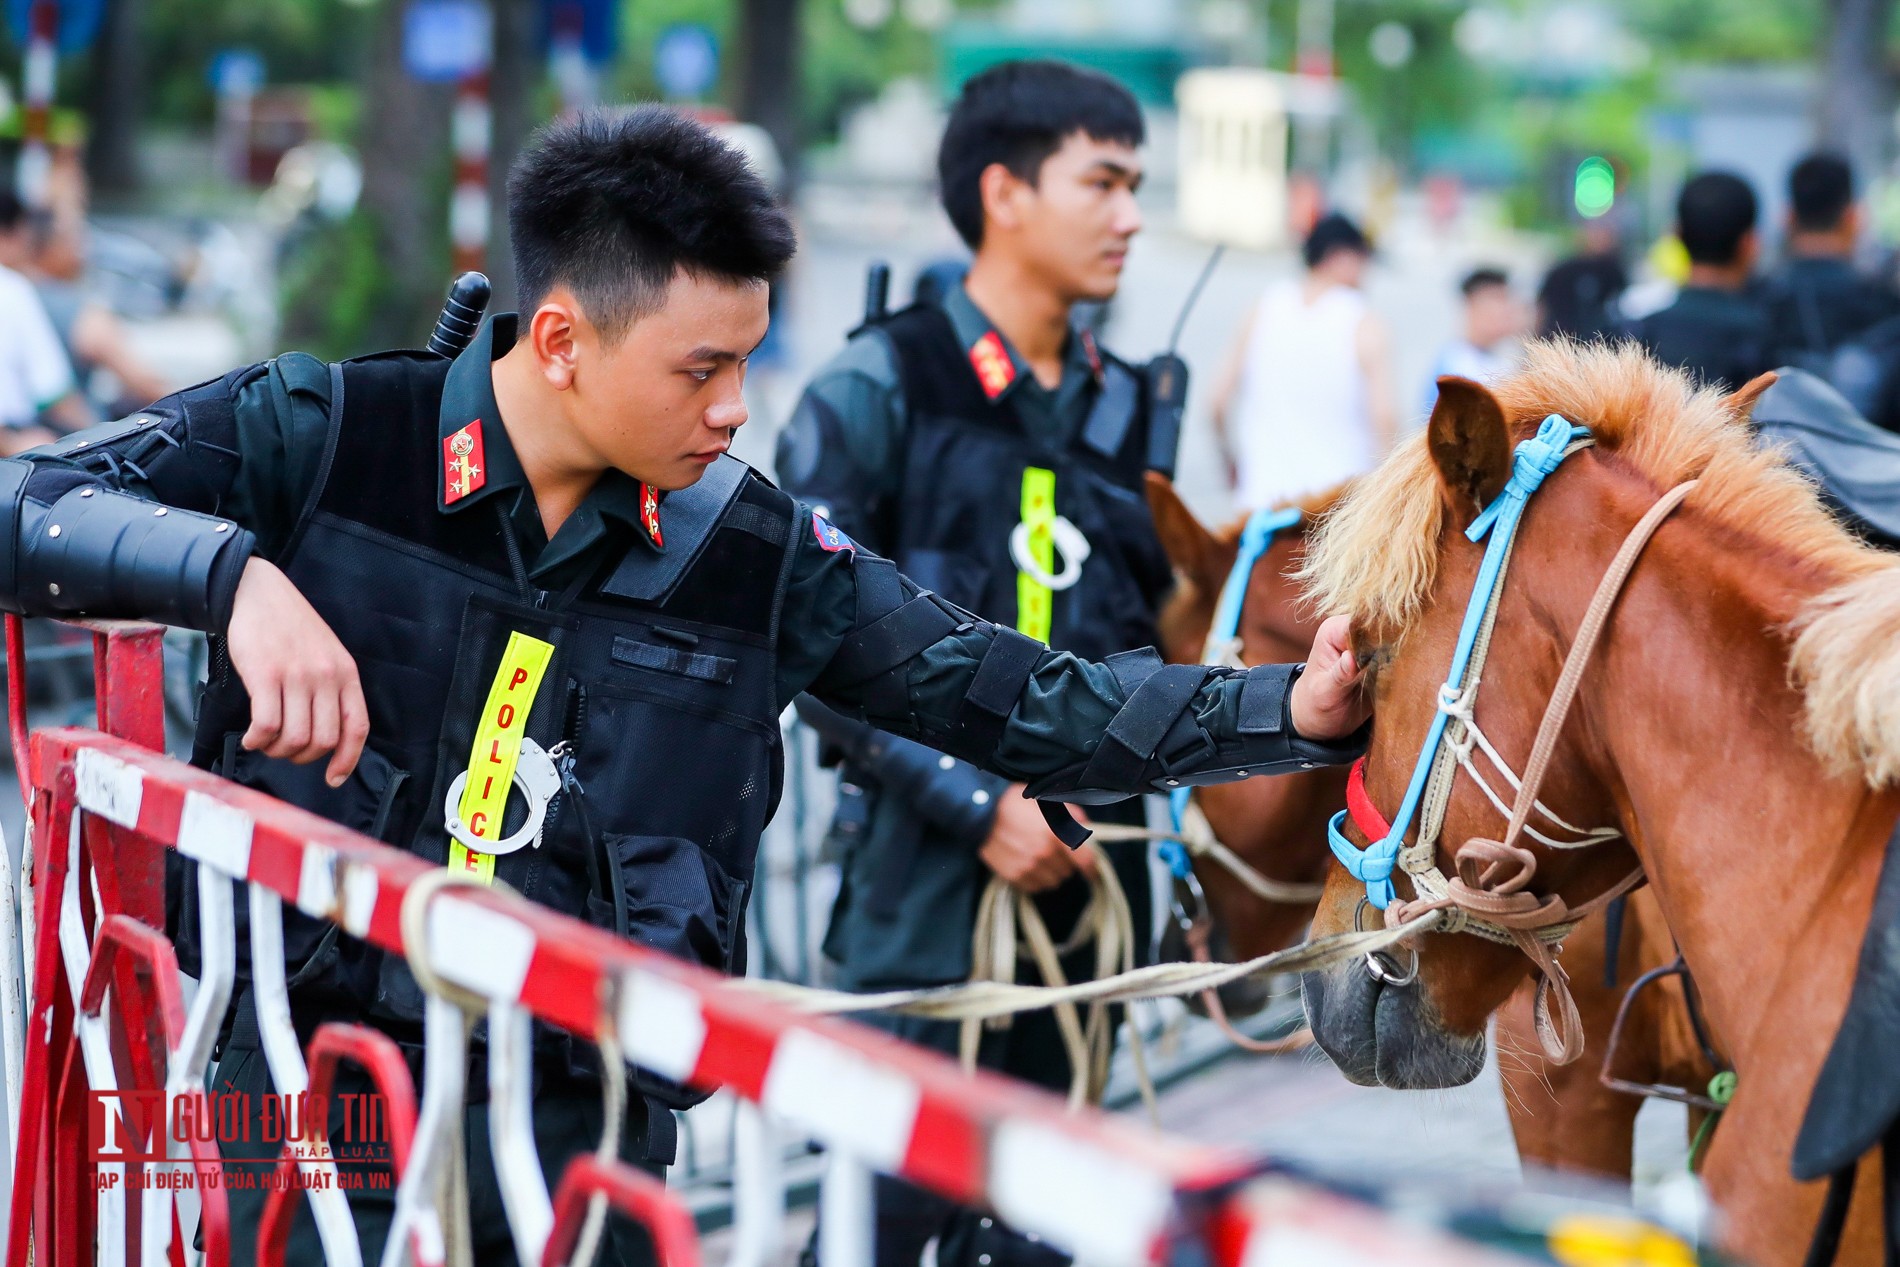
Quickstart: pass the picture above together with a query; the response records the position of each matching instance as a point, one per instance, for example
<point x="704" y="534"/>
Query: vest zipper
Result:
<point x="603" y="871"/>
<point x="563" y="751"/>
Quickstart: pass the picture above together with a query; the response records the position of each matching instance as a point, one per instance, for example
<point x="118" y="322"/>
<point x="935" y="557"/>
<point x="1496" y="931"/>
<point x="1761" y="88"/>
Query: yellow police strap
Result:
<point x="1035" y="605"/>
<point x="498" y="736"/>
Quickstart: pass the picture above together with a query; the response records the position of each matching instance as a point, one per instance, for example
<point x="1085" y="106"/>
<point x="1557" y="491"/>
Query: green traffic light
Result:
<point x="1595" y="191"/>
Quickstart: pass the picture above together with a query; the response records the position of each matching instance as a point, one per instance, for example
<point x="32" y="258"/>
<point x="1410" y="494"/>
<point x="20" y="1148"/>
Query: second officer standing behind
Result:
<point x="987" y="445"/>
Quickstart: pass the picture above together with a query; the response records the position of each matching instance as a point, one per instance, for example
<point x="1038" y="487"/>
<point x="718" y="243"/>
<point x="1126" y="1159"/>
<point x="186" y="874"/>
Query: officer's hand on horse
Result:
<point x="306" y="699"/>
<point x="1022" y="850"/>
<point x="1327" y="702"/>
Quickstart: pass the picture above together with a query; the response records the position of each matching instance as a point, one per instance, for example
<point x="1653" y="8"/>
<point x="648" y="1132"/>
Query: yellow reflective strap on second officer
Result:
<point x="498" y="736"/>
<point x="1035" y="603"/>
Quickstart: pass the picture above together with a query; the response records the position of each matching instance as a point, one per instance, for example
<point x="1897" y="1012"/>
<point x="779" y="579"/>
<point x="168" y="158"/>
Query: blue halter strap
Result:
<point x="1263" y="526"/>
<point x="1256" y="538"/>
<point x="1533" y="460"/>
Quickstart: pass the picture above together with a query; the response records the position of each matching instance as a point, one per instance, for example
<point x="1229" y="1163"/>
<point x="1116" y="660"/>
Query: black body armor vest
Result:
<point x="962" y="495"/>
<point x="662" y="685"/>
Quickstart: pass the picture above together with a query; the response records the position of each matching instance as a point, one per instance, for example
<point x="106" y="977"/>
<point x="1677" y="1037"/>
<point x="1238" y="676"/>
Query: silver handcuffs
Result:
<point x="1068" y="540"/>
<point x="537" y="777"/>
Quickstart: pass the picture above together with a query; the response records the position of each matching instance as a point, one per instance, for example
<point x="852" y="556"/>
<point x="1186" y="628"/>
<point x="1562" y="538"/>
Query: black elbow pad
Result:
<point x="98" y="552"/>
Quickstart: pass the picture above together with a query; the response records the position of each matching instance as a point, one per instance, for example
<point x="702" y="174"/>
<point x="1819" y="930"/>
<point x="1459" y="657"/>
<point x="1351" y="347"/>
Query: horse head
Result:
<point x="1414" y="555"/>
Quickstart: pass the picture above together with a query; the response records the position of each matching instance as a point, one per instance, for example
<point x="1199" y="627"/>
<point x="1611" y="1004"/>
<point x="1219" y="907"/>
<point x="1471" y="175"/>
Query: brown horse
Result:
<point x="1562" y="1117"/>
<point x="1277" y="826"/>
<point x="1739" y="724"/>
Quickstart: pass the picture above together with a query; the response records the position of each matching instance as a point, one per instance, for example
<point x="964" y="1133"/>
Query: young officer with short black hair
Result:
<point x="536" y="567"/>
<point x="986" y="444"/>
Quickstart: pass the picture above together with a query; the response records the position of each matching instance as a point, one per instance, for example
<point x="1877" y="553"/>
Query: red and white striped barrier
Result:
<point x="470" y="130"/>
<point x="39" y="76"/>
<point x="104" y="808"/>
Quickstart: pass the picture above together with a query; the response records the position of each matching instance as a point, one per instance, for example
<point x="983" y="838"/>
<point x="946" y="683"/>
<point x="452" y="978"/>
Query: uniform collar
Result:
<point x="999" y="369"/>
<point x="477" y="459"/>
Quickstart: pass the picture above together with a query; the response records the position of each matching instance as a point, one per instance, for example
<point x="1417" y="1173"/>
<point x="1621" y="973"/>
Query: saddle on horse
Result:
<point x="1856" y="463"/>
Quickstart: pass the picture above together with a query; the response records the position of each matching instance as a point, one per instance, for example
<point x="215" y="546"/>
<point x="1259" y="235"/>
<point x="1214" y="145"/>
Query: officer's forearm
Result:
<point x="1071" y="729"/>
<point x="69" y="545"/>
<point x="1232" y="726"/>
<point x="1134" y="724"/>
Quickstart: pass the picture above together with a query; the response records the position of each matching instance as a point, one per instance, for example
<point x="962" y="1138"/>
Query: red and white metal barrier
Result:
<point x="472" y="124"/>
<point x="39" y="76"/>
<point x="107" y="1015"/>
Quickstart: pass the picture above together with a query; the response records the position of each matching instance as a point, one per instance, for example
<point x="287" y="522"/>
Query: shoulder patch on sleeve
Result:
<point x="830" y="536"/>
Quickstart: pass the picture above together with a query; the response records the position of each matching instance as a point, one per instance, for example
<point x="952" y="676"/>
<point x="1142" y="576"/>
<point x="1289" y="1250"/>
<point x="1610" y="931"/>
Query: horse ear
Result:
<point x="1741" y="402"/>
<point x="1190" y="546"/>
<point x="1469" y="444"/>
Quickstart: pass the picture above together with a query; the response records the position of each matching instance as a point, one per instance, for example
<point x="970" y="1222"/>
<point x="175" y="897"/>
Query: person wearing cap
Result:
<point x="1306" y="399"/>
<point x="983" y="440"/>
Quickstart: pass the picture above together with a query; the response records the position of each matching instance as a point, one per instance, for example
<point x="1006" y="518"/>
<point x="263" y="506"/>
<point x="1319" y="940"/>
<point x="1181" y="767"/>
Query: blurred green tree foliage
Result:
<point x="301" y="41"/>
<point x="844" y="64"/>
<point x="1726" y="30"/>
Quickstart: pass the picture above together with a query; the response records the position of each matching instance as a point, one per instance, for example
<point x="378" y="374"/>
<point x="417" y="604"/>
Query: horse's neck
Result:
<point x="1763" y="862"/>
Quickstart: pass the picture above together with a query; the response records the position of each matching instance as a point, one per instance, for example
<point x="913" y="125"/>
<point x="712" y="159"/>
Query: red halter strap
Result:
<point x="1365" y="815"/>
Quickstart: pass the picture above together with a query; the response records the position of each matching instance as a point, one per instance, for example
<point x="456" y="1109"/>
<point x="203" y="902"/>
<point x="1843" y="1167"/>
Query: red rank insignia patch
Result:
<point x="994" y="370"/>
<point x="463" y="466"/>
<point x="1092" y="352"/>
<point x="650" y="513"/>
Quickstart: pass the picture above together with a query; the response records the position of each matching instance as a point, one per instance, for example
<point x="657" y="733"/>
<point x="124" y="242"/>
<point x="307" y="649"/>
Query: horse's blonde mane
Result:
<point x="1374" y="558"/>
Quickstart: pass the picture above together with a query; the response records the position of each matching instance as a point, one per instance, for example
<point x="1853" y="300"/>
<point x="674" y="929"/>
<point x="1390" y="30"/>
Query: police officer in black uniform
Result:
<point x="986" y="444"/>
<point x="384" y="547"/>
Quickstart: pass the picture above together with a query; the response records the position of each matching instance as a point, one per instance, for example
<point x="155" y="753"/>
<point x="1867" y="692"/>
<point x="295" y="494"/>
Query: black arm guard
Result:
<point x="941" y="789"/>
<point x="99" y="552"/>
<point x="1156" y="742"/>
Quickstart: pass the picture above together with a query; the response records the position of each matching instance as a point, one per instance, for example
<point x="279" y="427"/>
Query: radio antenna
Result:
<point x="1207" y="271"/>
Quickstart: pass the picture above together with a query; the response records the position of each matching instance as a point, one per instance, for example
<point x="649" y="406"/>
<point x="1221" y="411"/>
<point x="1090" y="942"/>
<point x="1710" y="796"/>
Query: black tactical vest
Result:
<point x="662" y="684"/>
<point x="962" y="494"/>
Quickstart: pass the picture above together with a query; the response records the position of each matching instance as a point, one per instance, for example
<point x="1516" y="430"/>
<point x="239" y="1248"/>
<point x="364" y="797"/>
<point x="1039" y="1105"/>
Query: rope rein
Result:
<point x="1197" y="837"/>
<point x="980" y="1000"/>
<point x="1008" y="922"/>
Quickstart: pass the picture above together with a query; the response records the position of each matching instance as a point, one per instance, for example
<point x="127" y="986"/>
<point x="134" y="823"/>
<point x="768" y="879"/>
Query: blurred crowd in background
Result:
<point x="1408" y="188"/>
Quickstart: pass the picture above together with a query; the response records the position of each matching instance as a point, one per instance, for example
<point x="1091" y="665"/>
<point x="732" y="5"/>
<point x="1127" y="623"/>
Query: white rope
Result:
<point x="981" y="1000"/>
<point x="1197" y="836"/>
<point x="1460" y="707"/>
<point x="1009" y="922"/>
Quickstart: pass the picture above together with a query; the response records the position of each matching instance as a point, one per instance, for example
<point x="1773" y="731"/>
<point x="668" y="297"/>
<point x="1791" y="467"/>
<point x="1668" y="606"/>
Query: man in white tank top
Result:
<point x="1305" y="400"/>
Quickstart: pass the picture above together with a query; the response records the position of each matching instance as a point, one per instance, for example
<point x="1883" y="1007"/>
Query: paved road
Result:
<point x="1299" y="1108"/>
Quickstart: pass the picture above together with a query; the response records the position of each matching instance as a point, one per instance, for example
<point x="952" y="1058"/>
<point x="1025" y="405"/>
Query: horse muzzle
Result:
<point x="1385" y="1035"/>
